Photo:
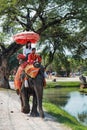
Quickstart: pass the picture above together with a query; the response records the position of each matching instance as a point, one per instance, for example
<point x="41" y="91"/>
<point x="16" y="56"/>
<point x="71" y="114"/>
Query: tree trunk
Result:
<point x="5" y="54"/>
<point x="4" y="74"/>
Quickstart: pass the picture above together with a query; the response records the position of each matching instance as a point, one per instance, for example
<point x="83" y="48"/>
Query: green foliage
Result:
<point x="62" y="64"/>
<point x="85" y="73"/>
<point x="59" y="22"/>
<point x="13" y="62"/>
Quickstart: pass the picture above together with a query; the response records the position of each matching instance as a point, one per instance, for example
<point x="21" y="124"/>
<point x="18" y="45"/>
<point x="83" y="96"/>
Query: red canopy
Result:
<point x="24" y="37"/>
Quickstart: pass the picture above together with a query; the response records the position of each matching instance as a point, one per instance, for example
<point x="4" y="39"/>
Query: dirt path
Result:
<point x="12" y="119"/>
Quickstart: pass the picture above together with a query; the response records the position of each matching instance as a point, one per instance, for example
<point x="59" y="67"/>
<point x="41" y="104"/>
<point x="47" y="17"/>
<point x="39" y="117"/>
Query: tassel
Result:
<point x="26" y="83"/>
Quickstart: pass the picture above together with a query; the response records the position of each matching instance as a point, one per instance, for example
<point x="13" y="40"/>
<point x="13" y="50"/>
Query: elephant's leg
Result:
<point x="39" y="94"/>
<point x="25" y="107"/>
<point x="21" y="103"/>
<point x="40" y="105"/>
<point x="34" y="111"/>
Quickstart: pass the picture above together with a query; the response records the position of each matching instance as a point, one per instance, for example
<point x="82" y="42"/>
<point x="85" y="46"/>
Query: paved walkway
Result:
<point x="12" y="119"/>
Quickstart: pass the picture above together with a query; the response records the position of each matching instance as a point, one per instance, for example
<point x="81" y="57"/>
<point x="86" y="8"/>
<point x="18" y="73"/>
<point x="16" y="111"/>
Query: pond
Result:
<point x="69" y="99"/>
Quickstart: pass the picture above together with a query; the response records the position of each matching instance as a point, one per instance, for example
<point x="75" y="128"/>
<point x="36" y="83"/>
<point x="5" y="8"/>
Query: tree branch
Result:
<point x="20" y="22"/>
<point x="44" y="27"/>
<point x="13" y="48"/>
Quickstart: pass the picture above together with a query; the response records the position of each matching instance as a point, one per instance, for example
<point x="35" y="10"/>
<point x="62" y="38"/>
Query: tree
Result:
<point x="61" y="64"/>
<point x="45" y="17"/>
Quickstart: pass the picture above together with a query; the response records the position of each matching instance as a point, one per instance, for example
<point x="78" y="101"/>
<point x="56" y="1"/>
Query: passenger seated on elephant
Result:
<point x="22" y="64"/>
<point x="27" y="49"/>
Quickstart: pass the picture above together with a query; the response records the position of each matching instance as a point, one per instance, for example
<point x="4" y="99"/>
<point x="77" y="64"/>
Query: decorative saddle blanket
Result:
<point x="31" y="70"/>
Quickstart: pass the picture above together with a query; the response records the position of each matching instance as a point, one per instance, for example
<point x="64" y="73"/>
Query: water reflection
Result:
<point x="77" y="106"/>
<point x="57" y="96"/>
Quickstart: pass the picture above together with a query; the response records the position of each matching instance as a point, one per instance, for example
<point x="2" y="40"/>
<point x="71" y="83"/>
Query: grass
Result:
<point x="63" y="117"/>
<point x="62" y="84"/>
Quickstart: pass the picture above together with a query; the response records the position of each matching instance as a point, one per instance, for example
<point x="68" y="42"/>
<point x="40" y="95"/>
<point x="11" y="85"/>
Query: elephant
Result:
<point x="35" y="89"/>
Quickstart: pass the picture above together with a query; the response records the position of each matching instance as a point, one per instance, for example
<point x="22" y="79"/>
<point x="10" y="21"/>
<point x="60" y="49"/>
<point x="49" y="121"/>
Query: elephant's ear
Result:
<point x="23" y="75"/>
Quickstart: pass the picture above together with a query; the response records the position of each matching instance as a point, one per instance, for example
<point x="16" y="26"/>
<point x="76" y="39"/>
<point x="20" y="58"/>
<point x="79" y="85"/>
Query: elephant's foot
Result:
<point x="34" y="114"/>
<point x="25" y="110"/>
